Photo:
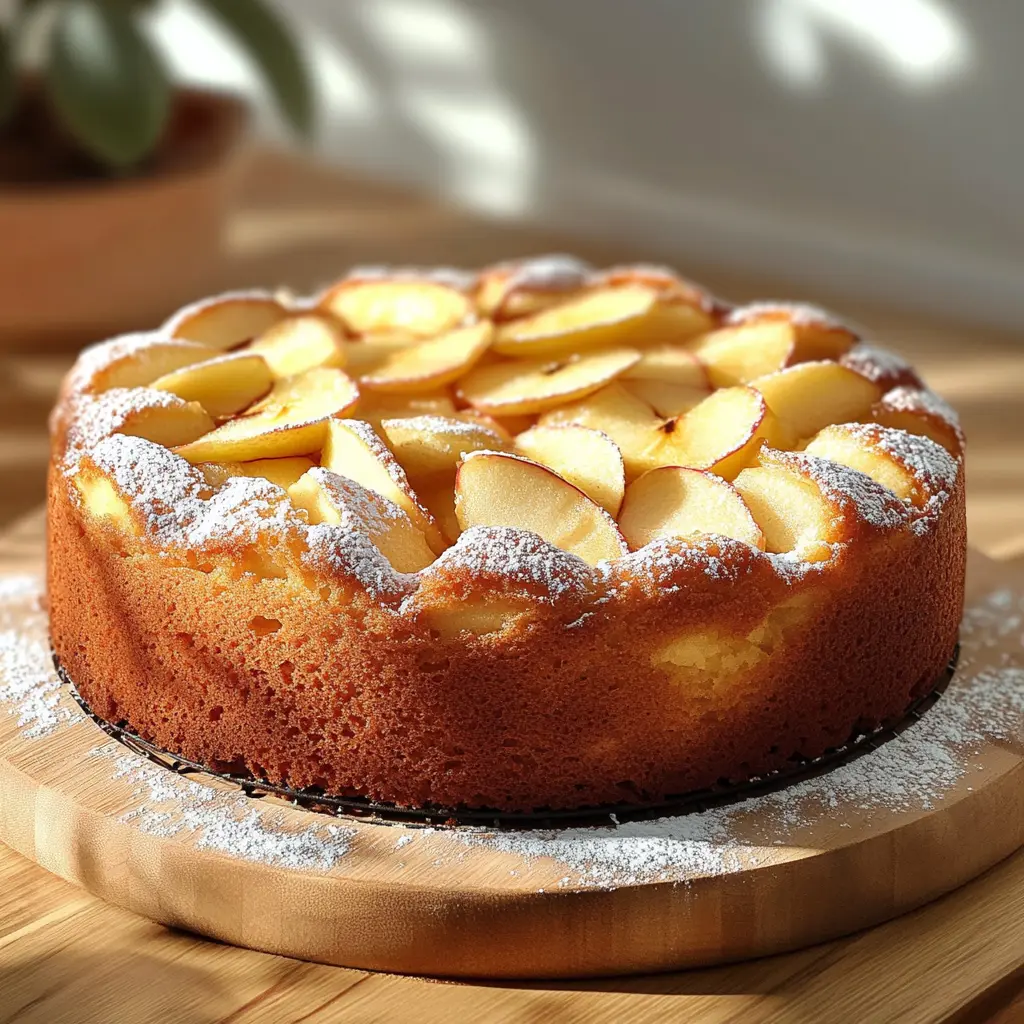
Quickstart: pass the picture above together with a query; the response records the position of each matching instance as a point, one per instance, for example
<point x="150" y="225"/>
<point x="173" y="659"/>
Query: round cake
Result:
<point x="538" y="537"/>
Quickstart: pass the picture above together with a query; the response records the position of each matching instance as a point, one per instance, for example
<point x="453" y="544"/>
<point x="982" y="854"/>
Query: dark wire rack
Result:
<point x="363" y="809"/>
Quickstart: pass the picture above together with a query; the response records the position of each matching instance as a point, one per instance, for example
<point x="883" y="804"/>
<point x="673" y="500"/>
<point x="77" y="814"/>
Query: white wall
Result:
<point x="867" y="147"/>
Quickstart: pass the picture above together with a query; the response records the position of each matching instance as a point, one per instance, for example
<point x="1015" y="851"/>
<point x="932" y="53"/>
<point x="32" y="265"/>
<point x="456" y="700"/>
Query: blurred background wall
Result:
<point x="867" y="147"/>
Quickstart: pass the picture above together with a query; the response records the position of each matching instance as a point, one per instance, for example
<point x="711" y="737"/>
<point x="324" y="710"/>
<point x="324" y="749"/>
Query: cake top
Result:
<point x="542" y="424"/>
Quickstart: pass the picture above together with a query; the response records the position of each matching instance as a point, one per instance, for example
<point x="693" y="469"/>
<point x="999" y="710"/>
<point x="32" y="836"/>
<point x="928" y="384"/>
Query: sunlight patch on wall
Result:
<point x="920" y="44"/>
<point x="444" y="84"/>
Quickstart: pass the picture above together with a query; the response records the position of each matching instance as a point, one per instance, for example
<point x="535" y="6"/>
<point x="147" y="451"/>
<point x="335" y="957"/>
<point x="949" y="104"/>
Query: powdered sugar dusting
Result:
<point x="430" y="423"/>
<point x="922" y="400"/>
<point x="227" y="822"/>
<point x="871" y="502"/>
<point x="518" y="555"/>
<point x="802" y="314"/>
<point x="556" y="272"/>
<point x="665" y="564"/>
<point x="29" y="688"/>
<point x="100" y="416"/>
<point x="97" y="358"/>
<point x="878" y="364"/>
<point x="930" y="463"/>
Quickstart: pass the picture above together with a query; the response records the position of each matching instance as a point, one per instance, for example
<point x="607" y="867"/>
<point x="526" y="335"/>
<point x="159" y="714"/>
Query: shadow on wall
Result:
<point x="857" y="145"/>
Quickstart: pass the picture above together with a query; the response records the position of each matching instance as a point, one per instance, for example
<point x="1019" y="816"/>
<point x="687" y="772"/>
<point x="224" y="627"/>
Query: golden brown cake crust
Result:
<point x="662" y="672"/>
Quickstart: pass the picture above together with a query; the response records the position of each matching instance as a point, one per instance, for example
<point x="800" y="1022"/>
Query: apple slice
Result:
<point x="329" y="498"/>
<point x="810" y="396"/>
<point x="669" y="364"/>
<point x="228" y="320"/>
<point x="355" y="451"/>
<point x="673" y="501"/>
<point x="153" y="415"/>
<point x="914" y="468"/>
<point x="428" y="445"/>
<point x="418" y="305"/>
<point x="791" y="509"/>
<point x="437" y="494"/>
<point x="222" y="386"/>
<point x="512" y="290"/>
<point x="533" y="385"/>
<point x="430" y="364"/>
<point x="133" y="361"/>
<point x="589" y="459"/>
<point x="300" y="343"/>
<point x="283" y="472"/>
<point x="366" y="355"/>
<point x="817" y="334"/>
<point x="290" y="420"/>
<point x="722" y="434"/>
<point x="737" y="355"/>
<point x="598" y="319"/>
<point x="664" y="397"/>
<point x="375" y="407"/>
<point x="762" y="338"/>
<point x="497" y="489"/>
<point x="626" y="419"/>
<point x="922" y="412"/>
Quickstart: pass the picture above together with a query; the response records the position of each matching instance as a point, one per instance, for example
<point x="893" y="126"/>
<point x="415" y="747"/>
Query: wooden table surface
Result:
<point x="65" y="956"/>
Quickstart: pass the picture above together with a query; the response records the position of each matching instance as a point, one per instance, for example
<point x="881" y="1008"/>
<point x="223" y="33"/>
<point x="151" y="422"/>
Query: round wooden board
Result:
<point x="896" y="828"/>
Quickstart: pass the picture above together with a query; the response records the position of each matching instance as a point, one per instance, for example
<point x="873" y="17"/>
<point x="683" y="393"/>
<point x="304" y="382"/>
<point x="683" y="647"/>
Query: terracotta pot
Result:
<point x="83" y="260"/>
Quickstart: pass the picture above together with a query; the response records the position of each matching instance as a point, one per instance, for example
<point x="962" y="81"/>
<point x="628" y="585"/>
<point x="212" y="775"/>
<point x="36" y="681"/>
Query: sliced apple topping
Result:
<point x="355" y="451"/>
<point x="135" y="361"/>
<point x="430" y="445"/>
<point x="228" y="320"/>
<point x="300" y="343"/>
<point x="367" y="355"/>
<point x="430" y="364"/>
<point x="375" y="407"/>
<point x="914" y="468"/>
<point x="664" y="397"/>
<point x="589" y="459"/>
<point x="598" y="319"/>
<point x="722" y="434"/>
<point x="810" y="396"/>
<point x="533" y="385"/>
<point x="169" y="425"/>
<point x="761" y="339"/>
<point x="283" y="472"/>
<point x="673" y="501"/>
<point x="627" y="420"/>
<point x="513" y="290"/>
<point x="921" y="412"/>
<point x="420" y="306"/>
<point x="222" y="386"/>
<point x="329" y="498"/>
<point x="497" y="489"/>
<point x="790" y="508"/>
<point x="290" y="420"/>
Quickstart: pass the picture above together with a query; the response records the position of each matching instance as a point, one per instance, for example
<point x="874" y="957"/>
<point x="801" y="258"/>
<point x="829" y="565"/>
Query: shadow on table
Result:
<point x="69" y="986"/>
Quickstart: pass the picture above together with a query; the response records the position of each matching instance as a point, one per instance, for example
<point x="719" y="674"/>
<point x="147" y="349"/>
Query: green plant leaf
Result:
<point x="107" y="82"/>
<point x="8" y="77"/>
<point x="274" y="51"/>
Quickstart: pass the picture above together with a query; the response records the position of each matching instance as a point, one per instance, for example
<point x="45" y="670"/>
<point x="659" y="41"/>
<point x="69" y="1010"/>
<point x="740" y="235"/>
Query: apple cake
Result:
<point x="538" y="537"/>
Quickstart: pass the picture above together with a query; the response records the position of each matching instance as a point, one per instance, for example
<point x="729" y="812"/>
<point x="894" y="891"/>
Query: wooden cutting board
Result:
<point x="921" y="816"/>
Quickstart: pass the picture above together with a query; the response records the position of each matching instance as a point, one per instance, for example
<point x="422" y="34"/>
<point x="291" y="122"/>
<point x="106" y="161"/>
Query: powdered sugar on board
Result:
<point x="29" y="688"/>
<point x="224" y="821"/>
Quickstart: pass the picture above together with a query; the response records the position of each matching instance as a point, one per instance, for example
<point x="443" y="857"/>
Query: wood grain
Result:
<point x="66" y="956"/>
